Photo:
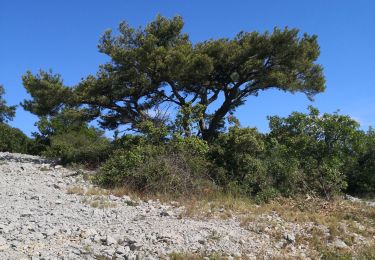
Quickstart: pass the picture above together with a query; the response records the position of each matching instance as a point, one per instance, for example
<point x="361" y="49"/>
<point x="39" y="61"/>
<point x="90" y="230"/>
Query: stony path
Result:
<point x="40" y="220"/>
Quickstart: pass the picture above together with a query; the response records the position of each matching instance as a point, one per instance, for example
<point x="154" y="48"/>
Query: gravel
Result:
<point x="40" y="220"/>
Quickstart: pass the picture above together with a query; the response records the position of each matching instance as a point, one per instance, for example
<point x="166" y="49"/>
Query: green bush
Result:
<point x="67" y="137"/>
<point x="361" y="177"/>
<point x="238" y="161"/>
<point x="303" y="153"/>
<point x="321" y="147"/>
<point x="86" y="145"/>
<point x="13" y="140"/>
<point x="284" y="170"/>
<point x="178" y="167"/>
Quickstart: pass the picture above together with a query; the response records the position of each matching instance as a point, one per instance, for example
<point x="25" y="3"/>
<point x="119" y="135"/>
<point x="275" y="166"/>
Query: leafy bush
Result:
<point x="238" y="165"/>
<point x="283" y="170"/>
<point x="303" y="153"/>
<point x="178" y="167"/>
<point x="68" y="138"/>
<point x="321" y="145"/>
<point x="13" y="140"/>
<point x="361" y="177"/>
<point x="86" y="145"/>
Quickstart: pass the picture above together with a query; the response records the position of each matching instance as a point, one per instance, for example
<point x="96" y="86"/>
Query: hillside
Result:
<point x="50" y="212"/>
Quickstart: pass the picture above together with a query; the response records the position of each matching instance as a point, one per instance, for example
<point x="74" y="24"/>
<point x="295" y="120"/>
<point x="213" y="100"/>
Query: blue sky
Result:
<point x="63" y="35"/>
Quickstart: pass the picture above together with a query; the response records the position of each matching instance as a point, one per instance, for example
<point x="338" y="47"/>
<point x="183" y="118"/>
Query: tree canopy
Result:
<point x="6" y="112"/>
<point x="159" y="64"/>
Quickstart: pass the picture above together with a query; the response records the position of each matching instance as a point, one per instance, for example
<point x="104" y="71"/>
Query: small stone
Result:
<point x="201" y="241"/>
<point x="122" y="250"/>
<point x="89" y="232"/>
<point x="56" y="186"/>
<point x="26" y="214"/>
<point x="3" y="241"/>
<point x="113" y="198"/>
<point x="126" y="198"/>
<point x="58" y="167"/>
<point x="339" y="244"/>
<point x="290" y="237"/>
<point x="97" y="238"/>
<point x="50" y="232"/>
<point x="135" y="246"/>
<point x="110" y="241"/>
<point x="164" y="213"/>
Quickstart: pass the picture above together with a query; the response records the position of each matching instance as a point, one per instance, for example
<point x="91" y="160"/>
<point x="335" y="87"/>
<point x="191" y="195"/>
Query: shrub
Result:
<point x="173" y="168"/>
<point x="284" y="170"/>
<point x="86" y="145"/>
<point x="321" y="145"/>
<point x="303" y="153"/>
<point x="361" y="177"/>
<point x="238" y="165"/>
<point x="67" y="137"/>
<point x="13" y="140"/>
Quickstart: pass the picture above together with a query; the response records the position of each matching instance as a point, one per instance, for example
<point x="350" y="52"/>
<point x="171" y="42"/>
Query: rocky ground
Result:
<point x="46" y="212"/>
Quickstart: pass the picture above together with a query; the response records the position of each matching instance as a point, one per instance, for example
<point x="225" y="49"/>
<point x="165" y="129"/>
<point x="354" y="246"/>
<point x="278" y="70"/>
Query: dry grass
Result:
<point x="194" y="256"/>
<point x="95" y="191"/>
<point x="99" y="202"/>
<point x="342" y="219"/>
<point x="92" y="191"/>
<point x="76" y="190"/>
<point x="44" y="169"/>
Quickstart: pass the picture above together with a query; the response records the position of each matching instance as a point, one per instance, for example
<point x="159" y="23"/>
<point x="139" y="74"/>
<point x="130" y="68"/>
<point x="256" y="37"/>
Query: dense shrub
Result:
<point x="68" y="138"/>
<point x="303" y="153"/>
<point x="361" y="177"/>
<point x="178" y="167"/>
<point x="323" y="147"/>
<point x="13" y="140"/>
<point x="283" y="170"/>
<point x="238" y="164"/>
<point x="86" y="146"/>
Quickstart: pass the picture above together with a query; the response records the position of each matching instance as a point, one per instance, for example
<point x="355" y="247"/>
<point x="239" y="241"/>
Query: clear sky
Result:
<point x="63" y="35"/>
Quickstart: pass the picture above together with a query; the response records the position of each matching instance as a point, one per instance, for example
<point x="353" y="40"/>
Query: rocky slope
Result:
<point x="44" y="216"/>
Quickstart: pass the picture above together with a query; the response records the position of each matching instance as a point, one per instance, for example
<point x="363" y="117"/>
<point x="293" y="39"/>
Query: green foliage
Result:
<point x="6" y="112"/>
<point x="85" y="146"/>
<point x="237" y="157"/>
<point x="319" y="146"/>
<point x="188" y="119"/>
<point x="153" y="132"/>
<point x="303" y="153"/>
<point x="174" y="168"/>
<point x="48" y="93"/>
<point x="361" y="177"/>
<point x="67" y="138"/>
<point x="13" y="140"/>
<point x="159" y="65"/>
